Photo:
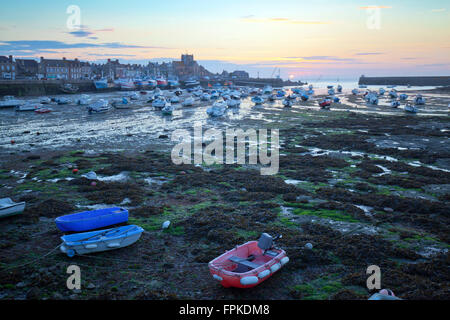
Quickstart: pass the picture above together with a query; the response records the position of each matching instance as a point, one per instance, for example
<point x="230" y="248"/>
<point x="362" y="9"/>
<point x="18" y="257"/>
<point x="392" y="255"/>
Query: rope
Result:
<point x="37" y="259"/>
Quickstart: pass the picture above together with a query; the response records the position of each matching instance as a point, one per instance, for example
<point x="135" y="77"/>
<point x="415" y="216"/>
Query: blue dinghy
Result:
<point x="89" y="220"/>
<point x="101" y="240"/>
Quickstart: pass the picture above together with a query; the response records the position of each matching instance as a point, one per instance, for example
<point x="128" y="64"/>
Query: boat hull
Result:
<point x="99" y="241"/>
<point x="90" y="220"/>
<point x="12" y="210"/>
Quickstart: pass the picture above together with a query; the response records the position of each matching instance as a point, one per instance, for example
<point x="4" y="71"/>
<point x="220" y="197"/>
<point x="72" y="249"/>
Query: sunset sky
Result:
<point x="306" y="39"/>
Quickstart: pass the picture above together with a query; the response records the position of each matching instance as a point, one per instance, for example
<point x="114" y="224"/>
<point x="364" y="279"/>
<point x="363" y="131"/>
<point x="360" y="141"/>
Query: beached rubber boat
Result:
<point x="102" y="240"/>
<point x="43" y="110"/>
<point x="90" y="220"/>
<point x="326" y="103"/>
<point x="248" y="265"/>
<point x="10" y="208"/>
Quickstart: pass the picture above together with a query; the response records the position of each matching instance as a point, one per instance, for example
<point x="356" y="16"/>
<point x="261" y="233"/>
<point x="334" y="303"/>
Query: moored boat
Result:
<point x="101" y="240"/>
<point x="248" y="265"/>
<point x="9" y="208"/>
<point x="90" y="220"/>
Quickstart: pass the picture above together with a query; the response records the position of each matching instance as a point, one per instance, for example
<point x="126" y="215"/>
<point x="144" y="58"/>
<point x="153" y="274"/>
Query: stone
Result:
<point x="309" y="246"/>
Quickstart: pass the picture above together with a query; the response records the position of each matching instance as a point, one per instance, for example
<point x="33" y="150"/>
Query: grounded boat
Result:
<point x="100" y="106"/>
<point x="62" y="101"/>
<point x="355" y="92"/>
<point x="325" y="103"/>
<point x="159" y="103"/>
<point x="395" y="104"/>
<point x="168" y="109"/>
<point x="102" y="240"/>
<point x="175" y="99"/>
<point x="288" y="103"/>
<point x="419" y="100"/>
<point x="410" y="108"/>
<point x="339" y="89"/>
<point x="393" y="94"/>
<point x="10" y="102"/>
<point x="84" y="100"/>
<point x="248" y="265"/>
<point x="29" y="107"/>
<point x="403" y="97"/>
<point x="121" y="103"/>
<point x="381" y="91"/>
<point x="304" y="97"/>
<point x="257" y="100"/>
<point x="267" y="90"/>
<point x="189" y="102"/>
<point x="233" y="103"/>
<point x="10" y="208"/>
<point x="217" y="110"/>
<point x="43" y="110"/>
<point x="89" y="220"/>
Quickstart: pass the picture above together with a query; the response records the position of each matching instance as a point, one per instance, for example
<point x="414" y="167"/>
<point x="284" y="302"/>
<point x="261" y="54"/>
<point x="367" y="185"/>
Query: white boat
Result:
<point x="205" y="97"/>
<point x="189" y="102"/>
<point x="267" y="90"/>
<point x="30" y="106"/>
<point x="10" y="102"/>
<point x="10" y="208"/>
<point x="159" y="103"/>
<point x="410" y="108"/>
<point x="84" y="100"/>
<point x="100" y="106"/>
<point x="175" y="99"/>
<point x="101" y="240"/>
<point x="45" y="100"/>
<point x="63" y="100"/>
<point x="233" y="103"/>
<point x="168" y="109"/>
<point x="217" y="110"/>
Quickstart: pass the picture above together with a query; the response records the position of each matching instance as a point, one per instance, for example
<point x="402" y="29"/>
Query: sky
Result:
<point x="301" y="40"/>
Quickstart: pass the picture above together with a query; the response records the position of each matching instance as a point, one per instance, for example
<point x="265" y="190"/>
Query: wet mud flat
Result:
<point x="363" y="189"/>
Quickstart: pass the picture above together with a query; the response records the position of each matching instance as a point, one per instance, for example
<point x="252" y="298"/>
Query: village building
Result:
<point x="8" y="69"/>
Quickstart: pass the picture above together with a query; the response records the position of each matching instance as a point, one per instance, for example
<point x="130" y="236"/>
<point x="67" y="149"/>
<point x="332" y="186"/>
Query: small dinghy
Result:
<point x="43" y="110"/>
<point x="257" y="100"/>
<point x="410" y="108"/>
<point x="90" y="220"/>
<point x="102" y="240"/>
<point x="288" y="103"/>
<point x="189" y="102"/>
<point x="10" y="208"/>
<point x="249" y="264"/>
<point x="325" y="104"/>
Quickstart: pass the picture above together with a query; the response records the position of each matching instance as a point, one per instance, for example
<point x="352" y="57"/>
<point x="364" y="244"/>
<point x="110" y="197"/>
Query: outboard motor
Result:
<point x="265" y="242"/>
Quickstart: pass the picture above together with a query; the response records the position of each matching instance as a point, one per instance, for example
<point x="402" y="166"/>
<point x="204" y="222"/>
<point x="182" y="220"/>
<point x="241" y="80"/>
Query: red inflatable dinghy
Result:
<point x="249" y="264"/>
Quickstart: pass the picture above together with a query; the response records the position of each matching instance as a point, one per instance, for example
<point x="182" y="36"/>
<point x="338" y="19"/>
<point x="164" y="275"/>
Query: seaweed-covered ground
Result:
<point x="363" y="189"/>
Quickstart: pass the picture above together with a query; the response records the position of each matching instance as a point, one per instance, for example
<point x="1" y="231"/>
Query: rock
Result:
<point x="309" y="246"/>
<point x="163" y="136"/>
<point x="166" y="224"/>
<point x="33" y="294"/>
<point x="388" y="210"/>
<point x="91" y="286"/>
<point x="58" y="296"/>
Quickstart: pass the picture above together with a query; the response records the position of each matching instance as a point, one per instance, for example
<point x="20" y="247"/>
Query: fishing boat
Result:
<point x="69" y="88"/>
<point x="43" y="110"/>
<point x="30" y="106"/>
<point x="217" y="110"/>
<point x="100" y="106"/>
<point x="161" y="82"/>
<point x="172" y="83"/>
<point x="10" y="102"/>
<point x="101" y="84"/>
<point x="249" y="264"/>
<point x="257" y="100"/>
<point x="101" y="240"/>
<point x="419" y="100"/>
<point x="191" y="83"/>
<point x="10" y="208"/>
<point x="410" y="108"/>
<point x="189" y="102"/>
<point x="90" y="220"/>
<point x="126" y="84"/>
<point x="168" y="109"/>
